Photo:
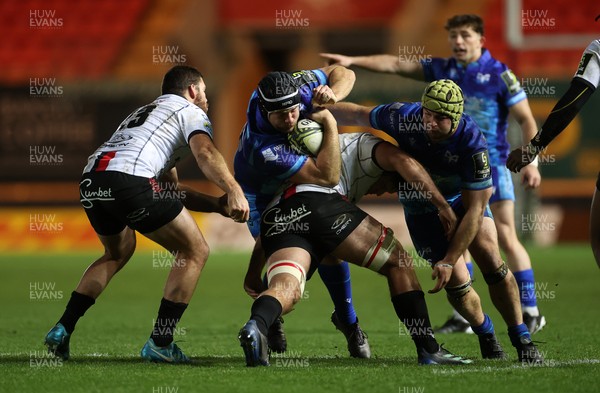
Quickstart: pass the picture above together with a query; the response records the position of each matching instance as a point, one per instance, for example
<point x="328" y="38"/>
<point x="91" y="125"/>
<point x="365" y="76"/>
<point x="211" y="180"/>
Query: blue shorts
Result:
<point x="254" y="223"/>
<point x="503" y="185"/>
<point x="427" y="232"/>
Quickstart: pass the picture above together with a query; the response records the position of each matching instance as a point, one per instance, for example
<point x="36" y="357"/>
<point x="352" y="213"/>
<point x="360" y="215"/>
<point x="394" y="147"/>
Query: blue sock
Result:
<point x="516" y="332"/>
<point x="487" y="327"/>
<point x="337" y="280"/>
<point x="470" y="268"/>
<point x="526" y="284"/>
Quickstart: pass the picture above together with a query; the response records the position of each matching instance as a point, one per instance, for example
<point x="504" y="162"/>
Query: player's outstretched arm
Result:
<point x="378" y="63"/>
<point x="211" y="163"/>
<point x="565" y="110"/>
<point x="351" y="114"/>
<point x="341" y="82"/>
<point x="194" y="200"/>
<point x="475" y="203"/>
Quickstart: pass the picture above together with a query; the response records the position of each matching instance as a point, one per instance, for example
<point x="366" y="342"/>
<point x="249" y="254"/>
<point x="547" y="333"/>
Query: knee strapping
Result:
<point x="459" y="291"/>
<point x="381" y="250"/>
<point x="290" y="267"/>
<point x="498" y="276"/>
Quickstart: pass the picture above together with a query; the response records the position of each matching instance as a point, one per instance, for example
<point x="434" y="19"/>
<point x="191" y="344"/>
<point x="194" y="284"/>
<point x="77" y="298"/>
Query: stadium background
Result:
<point x="71" y="71"/>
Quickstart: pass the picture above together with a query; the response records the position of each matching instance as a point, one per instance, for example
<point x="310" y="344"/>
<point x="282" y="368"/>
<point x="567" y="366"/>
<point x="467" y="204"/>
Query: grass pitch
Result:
<point x="105" y="347"/>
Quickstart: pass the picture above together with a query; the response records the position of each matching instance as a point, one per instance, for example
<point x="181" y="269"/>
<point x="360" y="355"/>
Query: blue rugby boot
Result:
<point x="169" y="354"/>
<point x="254" y="344"/>
<point x="57" y="341"/>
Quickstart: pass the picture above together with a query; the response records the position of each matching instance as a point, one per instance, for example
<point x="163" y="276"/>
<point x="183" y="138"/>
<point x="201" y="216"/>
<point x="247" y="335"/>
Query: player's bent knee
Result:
<point x="380" y="251"/>
<point x="458" y="291"/>
<point x="497" y="276"/>
<point x="289" y="267"/>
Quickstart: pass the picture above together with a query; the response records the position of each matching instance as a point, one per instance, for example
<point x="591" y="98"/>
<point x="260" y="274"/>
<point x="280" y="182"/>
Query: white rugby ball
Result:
<point x="306" y="137"/>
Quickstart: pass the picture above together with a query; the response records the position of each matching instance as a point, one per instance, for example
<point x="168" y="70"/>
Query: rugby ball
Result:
<point x="306" y="138"/>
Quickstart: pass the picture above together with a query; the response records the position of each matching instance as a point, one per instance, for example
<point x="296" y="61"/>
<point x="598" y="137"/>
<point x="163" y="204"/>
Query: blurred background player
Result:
<point x="453" y="149"/>
<point x="491" y="92"/>
<point x="118" y="189"/>
<point x="265" y="160"/>
<point x="339" y="229"/>
<point x="583" y="85"/>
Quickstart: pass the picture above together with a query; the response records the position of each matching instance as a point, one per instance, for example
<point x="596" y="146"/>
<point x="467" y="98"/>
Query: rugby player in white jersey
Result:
<point x="364" y="158"/>
<point x="583" y="85"/>
<point x="125" y="188"/>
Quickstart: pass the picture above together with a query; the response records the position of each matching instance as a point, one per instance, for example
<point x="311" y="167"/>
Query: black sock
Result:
<point x="169" y="315"/>
<point x="77" y="306"/>
<point x="265" y="310"/>
<point x="412" y="311"/>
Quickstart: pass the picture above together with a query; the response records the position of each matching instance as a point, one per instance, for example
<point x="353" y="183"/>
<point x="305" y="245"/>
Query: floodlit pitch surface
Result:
<point x="105" y="347"/>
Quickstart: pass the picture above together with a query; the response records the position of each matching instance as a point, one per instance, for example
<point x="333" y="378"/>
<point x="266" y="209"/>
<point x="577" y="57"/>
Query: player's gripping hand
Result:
<point x="519" y="158"/>
<point x="333" y="59"/>
<point x="323" y="95"/>
<point x="237" y="205"/>
<point x="442" y="271"/>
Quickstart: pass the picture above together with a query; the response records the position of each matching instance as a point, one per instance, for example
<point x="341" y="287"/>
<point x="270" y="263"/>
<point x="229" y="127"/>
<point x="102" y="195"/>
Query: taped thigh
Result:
<point x="381" y="250"/>
<point x="290" y="267"/>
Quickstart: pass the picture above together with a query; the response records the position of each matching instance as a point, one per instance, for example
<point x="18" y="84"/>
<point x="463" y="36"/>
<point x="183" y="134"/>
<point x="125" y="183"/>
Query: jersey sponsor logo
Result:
<point x="208" y="126"/>
<point x="481" y="165"/>
<point x="88" y="195"/>
<point x="269" y="155"/>
<point x="289" y="221"/>
<point x="119" y="139"/>
<point x="482" y="78"/>
<point x="341" y="223"/>
<point x="585" y="59"/>
<point x="511" y="81"/>
<point x="451" y="158"/>
<point x="138" y="215"/>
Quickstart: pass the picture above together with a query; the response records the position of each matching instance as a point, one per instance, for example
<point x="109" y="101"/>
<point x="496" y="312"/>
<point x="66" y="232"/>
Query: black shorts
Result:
<point x="113" y="200"/>
<point x="313" y="221"/>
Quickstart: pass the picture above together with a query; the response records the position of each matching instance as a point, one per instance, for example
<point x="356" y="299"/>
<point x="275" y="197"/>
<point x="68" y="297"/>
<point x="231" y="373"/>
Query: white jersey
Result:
<point x="589" y="66"/>
<point x="151" y="140"/>
<point x="359" y="169"/>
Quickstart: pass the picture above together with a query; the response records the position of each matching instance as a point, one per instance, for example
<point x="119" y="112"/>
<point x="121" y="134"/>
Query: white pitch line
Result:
<point x="548" y="363"/>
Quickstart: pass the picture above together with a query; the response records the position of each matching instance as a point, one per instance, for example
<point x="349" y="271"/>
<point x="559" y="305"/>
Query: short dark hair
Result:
<point x="178" y="78"/>
<point x="470" y="20"/>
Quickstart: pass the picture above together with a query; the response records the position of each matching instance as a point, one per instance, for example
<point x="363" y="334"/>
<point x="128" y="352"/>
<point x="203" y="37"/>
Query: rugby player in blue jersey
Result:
<point x="491" y="92"/>
<point x="451" y="147"/>
<point x="264" y="161"/>
<point x="307" y="224"/>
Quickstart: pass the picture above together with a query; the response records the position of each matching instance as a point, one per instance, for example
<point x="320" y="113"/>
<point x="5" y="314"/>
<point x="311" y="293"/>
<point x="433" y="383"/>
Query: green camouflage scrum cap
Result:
<point x="445" y="97"/>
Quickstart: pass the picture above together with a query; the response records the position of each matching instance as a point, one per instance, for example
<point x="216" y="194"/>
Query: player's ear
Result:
<point x="191" y="90"/>
<point x="482" y="41"/>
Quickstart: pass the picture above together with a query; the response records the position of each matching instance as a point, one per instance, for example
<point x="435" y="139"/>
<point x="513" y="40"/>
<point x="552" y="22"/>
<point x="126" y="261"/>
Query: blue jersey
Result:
<point x="264" y="159"/>
<point x="456" y="163"/>
<point x="490" y="88"/>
